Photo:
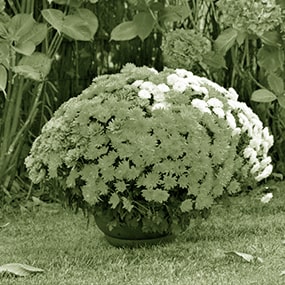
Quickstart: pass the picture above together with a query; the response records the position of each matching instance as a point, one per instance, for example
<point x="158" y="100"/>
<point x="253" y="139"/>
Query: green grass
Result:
<point x="72" y="253"/>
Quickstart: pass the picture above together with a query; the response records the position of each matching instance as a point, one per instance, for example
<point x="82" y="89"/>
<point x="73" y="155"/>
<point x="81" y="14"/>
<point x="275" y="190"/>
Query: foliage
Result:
<point x="152" y="148"/>
<point x="28" y="48"/>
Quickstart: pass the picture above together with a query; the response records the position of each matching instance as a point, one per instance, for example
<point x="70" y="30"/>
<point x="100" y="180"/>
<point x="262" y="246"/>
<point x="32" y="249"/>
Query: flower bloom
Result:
<point x="144" y="94"/>
<point x="266" y="198"/>
<point x="265" y="173"/>
<point x="201" y="105"/>
<point x="214" y="102"/>
<point x="231" y="120"/>
<point x="180" y="86"/>
<point x="219" y="112"/>
<point x="160" y="105"/>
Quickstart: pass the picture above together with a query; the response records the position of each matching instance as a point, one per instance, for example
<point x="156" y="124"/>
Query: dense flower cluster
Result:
<point x="251" y="16"/>
<point x="152" y="147"/>
<point x="184" y="48"/>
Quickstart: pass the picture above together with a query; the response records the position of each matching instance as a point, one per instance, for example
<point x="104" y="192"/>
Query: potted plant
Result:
<point x="147" y="151"/>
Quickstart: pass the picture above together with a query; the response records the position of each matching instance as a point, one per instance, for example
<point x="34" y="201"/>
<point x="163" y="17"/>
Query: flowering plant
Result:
<point x="152" y="148"/>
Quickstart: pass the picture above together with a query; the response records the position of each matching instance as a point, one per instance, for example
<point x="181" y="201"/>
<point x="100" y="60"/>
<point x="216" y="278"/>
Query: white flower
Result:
<point x="153" y="70"/>
<point x="266" y="198"/>
<point x="160" y="105"/>
<point x="231" y="120"/>
<point x="248" y="151"/>
<point x="180" y="86"/>
<point x="172" y="78"/>
<point x="137" y="83"/>
<point x="201" y="105"/>
<point x="147" y="85"/>
<point x="144" y="94"/>
<point x="219" y="112"/>
<point x="234" y="104"/>
<point x="264" y="162"/>
<point x="255" y="167"/>
<point x="158" y="96"/>
<point x="265" y="173"/>
<point x="214" y="102"/>
<point x="199" y="89"/>
<point x="236" y="131"/>
<point x="163" y="87"/>
<point x="183" y="73"/>
<point x="232" y="94"/>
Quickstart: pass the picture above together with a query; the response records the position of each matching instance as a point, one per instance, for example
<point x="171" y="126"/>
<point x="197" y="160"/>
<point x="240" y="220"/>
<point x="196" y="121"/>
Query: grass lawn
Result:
<point x="60" y="242"/>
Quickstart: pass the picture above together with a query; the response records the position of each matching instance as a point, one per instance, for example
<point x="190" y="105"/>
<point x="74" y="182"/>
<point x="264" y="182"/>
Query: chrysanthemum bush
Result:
<point x="152" y="149"/>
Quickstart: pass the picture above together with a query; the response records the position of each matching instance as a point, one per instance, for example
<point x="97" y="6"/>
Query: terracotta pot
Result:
<point x="124" y="236"/>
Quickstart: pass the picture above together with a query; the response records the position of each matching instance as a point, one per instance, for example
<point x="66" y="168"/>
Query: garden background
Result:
<point x="51" y="51"/>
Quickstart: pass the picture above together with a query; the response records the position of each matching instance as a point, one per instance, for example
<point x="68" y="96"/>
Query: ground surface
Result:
<point x="60" y="242"/>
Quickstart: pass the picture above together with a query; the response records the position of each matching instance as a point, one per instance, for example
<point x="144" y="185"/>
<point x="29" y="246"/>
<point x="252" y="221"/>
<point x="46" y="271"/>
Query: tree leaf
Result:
<point x="214" y="60"/>
<point x="276" y="83"/>
<point x="72" y="3"/>
<point x="20" y="25"/>
<point x="76" y="28"/>
<point x="263" y="96"/>
<point x="54" y="17"/>
<point x="272" y="38"/>
<point x="19" y="269"/>
<point x="144" y="24"/>
<point x="90" y="18"/>
<point x="173" y="13"/>
<point x="3" y="78"/>
<point x="270" y="58"/>
<point x="25" y="48"/>
<point x="281" y="100"/>
<point x="244" y="256"/>
<point x="81" y="26"/>
<point x="225" y="40"/>
<point x="124" y="31"/>
<point x="35" y="67"/>
<point x="157" y="195"/>
<point x="36" y="35"/>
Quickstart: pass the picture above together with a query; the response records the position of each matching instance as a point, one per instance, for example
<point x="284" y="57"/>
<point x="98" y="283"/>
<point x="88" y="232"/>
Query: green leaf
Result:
<point x="114" y="200"/>
<point x="36" y="35"/>
<point x="81" y="26"/>
<point x="173" y="13"/>
<point x="90" y="18"/>
<point x="241" y="36"/>
<point x="281" y="100"/>
<point x="186" y="205"/>
<point x="127" y="204"/>
<point x="214" y="60"/>
<point x="263" y="96"/>
<point x="54" y="17"/>
<point x="72" y="3"/>
<point x="20" y="269"/>
<point x="20" y="25"/>
<point x="4" y="54"/>
<point x="276" y="83"/>
<point x="35" y="67"/>
<point x="272" y="38"/>
<point x="157" y="195"/>
<point x="144" y="24"/>
<point x="270" y="58"/>
<point x="75" y="28"/>
<point x="124" y="31"/>
<point x="25" y="48"/>
<point x="225" y="41"/>
<point x="3" y="78"/>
